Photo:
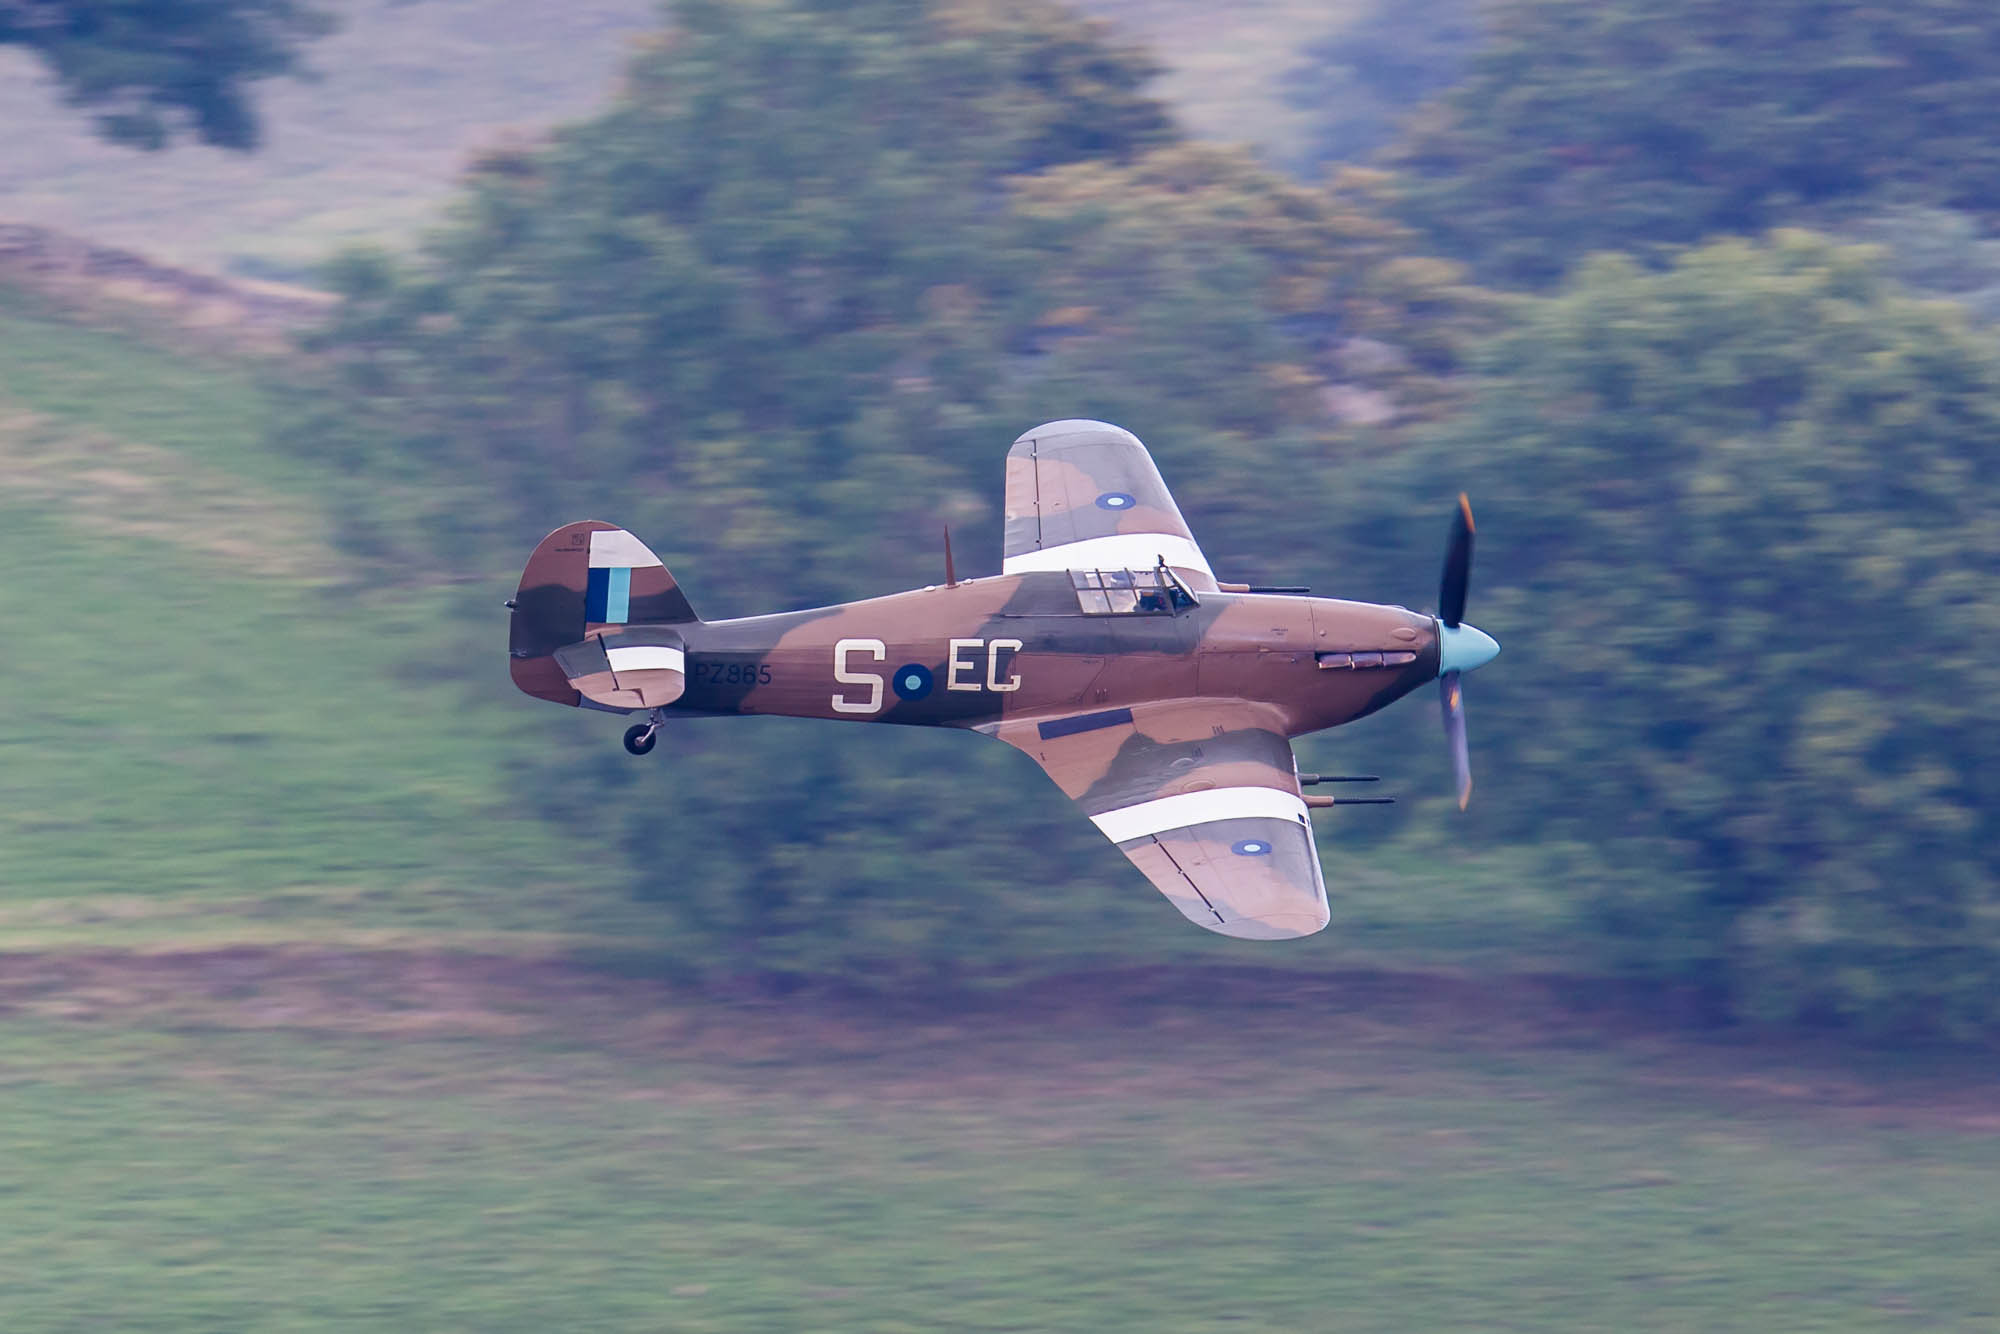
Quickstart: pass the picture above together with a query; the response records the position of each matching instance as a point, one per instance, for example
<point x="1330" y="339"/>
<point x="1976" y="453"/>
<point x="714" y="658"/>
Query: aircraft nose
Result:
<point x="1464" y="648"/>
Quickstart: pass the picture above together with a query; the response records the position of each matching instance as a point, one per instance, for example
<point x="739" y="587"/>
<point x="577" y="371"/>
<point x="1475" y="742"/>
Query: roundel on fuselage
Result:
<point x="912" y="681"/>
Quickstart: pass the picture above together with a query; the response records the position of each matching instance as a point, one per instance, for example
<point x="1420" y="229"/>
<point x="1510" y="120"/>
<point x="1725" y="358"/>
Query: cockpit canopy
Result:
<point x="1152" y="592"/>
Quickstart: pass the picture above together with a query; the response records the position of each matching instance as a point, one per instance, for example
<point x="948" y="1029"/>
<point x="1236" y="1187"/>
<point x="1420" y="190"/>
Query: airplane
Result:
<point x="1160" y="700"/>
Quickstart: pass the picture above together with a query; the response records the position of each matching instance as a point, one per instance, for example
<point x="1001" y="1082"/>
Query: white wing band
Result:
<point x="1192" y="808"/>
<point x="647" y="657"/>
<point x="1118" y="551"/>
<point x="616" y="549"/>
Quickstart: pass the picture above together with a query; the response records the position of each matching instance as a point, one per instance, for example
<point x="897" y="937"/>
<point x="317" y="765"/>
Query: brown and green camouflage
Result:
<point x="1161" y="701"/>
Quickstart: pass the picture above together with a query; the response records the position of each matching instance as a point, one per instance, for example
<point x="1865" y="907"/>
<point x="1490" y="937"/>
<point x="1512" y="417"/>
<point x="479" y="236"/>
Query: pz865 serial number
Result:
<point x="730" y="673"/>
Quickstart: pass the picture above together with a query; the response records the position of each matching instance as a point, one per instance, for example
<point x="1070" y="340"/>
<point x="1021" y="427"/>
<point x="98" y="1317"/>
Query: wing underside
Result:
<point x="1203" y="797"/>
<point x="1085" y="495"/>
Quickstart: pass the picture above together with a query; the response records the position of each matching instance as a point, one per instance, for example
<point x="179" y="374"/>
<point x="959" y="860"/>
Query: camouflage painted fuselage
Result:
<point x="1014" y="646"/>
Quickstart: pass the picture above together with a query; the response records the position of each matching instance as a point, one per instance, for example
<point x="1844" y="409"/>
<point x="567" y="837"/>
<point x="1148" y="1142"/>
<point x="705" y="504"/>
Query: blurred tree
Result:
<point x="1359" y="83"/>
<point x="780" y="309"/>
<point x="1247" y="326"/>
<point x="1616" y="124"/>
<point x="1738" y="534"/>
<point x="1078" y="94"/>
<point x="152" y="70"/>
<point x="1939" y="251"/>
<point x="1284" y="275"/>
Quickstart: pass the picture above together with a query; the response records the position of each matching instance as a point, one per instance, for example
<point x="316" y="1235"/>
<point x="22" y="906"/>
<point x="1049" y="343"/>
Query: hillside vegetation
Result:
<point x="1618" y="124"/>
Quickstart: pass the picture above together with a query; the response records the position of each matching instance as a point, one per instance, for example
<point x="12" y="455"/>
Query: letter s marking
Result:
<point x="873" y="680"/>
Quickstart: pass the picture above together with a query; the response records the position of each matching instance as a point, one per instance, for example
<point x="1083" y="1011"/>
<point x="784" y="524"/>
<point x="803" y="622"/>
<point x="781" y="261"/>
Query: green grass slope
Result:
<point x="207" y="726"/>
<point x="602" y="1160"/>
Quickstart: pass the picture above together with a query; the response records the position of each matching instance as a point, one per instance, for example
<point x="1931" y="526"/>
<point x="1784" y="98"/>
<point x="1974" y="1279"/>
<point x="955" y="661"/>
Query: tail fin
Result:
<point x="589" y="581"/>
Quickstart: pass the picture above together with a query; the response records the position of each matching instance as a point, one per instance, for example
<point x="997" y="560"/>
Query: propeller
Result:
<point x="1457" y="565"/>
<point x="1461" y="648"/>
<point x="1454" y="730"/>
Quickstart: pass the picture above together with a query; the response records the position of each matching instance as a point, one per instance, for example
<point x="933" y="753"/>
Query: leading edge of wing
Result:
<point x="1203" y="797"/>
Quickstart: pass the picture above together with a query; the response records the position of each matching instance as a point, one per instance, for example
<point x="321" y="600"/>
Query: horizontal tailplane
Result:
<point x="590" y="621"/>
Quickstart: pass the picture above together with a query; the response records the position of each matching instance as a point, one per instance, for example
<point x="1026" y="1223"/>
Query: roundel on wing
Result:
<point x="1116" y="500"/>
<point x="1252" y="847"/>
<point x="912" y="681"/>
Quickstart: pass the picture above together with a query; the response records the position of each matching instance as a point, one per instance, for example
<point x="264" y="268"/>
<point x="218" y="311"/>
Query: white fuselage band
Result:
<point x="1118" y="551"/>
<point x="1192" y="808"/>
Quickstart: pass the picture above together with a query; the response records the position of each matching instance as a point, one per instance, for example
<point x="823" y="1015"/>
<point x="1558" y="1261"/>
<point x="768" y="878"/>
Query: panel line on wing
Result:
<point x="1035" y="467"/>
<point x="1168" y="853"/>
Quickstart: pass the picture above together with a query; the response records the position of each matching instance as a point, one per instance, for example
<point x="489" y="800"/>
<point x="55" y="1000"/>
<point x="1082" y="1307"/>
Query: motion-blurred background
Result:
<point x="342" y="985"/>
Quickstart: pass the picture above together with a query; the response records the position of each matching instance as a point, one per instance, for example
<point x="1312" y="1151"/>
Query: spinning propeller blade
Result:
<point x="1457" y="566"/>
<point x="1461" y="648"/>
<point x="1453" y="700"/>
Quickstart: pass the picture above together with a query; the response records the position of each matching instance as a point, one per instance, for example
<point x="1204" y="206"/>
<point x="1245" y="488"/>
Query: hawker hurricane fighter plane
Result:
<point x="1160" y="700"/>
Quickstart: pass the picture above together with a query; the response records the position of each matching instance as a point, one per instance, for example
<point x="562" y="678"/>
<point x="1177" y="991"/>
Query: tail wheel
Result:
<point x="640" y="738"/>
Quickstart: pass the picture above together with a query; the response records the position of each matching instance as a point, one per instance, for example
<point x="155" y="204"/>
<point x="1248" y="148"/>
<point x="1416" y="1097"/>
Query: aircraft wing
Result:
<point x="1203" y="797"/>
<point x="1084" y="495"/>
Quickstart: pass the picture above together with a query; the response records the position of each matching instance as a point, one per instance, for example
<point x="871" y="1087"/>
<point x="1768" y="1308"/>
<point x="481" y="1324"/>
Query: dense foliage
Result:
<point x="1358" y="84"/>
<point x="152" y="71"/>
<point x="1615" y="124"/>
<point x="1738" y="539"/>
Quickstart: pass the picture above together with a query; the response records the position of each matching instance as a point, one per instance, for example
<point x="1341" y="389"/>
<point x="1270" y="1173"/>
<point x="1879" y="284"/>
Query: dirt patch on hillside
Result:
<point x="1159" y="1030"/>
<point x="87" y="278"/>
<point x="112" y="487"/>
